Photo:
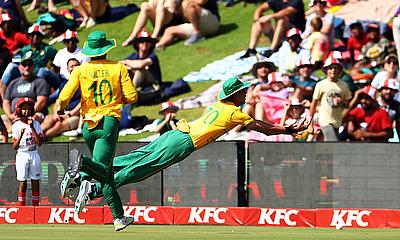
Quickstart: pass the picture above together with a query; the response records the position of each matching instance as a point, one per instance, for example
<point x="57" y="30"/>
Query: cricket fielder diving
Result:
<point x="175" y="145"/>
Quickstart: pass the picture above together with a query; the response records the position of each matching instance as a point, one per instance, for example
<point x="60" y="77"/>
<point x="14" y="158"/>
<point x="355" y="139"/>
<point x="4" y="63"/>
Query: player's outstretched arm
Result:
<point x="274" y="129"/>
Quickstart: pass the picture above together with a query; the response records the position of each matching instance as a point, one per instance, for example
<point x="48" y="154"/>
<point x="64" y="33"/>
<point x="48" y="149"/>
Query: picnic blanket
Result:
<point x="373" y="10"/>
<point x="223" y="69"/>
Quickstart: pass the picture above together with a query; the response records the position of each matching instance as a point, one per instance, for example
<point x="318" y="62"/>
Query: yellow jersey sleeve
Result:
<point x="69" y="89"/>
<point x="130" y="94"/>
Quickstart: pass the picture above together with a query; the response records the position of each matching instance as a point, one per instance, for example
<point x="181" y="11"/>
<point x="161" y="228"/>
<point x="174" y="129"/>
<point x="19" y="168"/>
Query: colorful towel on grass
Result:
<point x="223" y="69"/>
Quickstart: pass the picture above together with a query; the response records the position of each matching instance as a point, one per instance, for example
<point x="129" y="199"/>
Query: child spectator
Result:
<point x="295" y="111"/>
<point x="27" y="137"/>
<point x="369" y="122"/>
<point x="356" y="41"/>
<point x="169" y="121"/>
<point x="290" y="52"/>
<point x="328" y="19"/>
<point x="304" y="81"/>
<point x="318" y="43"/>
<point x="331" y="96"/>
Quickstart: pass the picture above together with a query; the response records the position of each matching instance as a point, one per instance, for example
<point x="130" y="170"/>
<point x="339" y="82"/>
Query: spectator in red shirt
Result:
<point x="357" y="40"/>
<point x="369" y="122"/>
<point x="13" y="40"/>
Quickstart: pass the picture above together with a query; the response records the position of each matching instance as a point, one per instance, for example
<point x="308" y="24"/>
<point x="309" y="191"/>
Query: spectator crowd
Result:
<point x="350" y="86"/>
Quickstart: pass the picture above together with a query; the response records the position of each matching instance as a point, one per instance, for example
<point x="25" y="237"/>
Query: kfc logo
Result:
<point x="275" y="216"/>
<point x="347" y="217"/>
<point x="207" y="213"/>
<point x="69" y="214"/>
<point x="144" y="212"/>
<point x="6" y="212"/>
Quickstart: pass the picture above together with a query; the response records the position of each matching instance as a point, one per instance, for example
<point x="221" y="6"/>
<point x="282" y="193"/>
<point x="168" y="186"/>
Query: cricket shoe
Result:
<point x="75" y="162"/>
<point x="122" y="223"/>
<point x="67" y="184"/>
<point x="83" y="196"/>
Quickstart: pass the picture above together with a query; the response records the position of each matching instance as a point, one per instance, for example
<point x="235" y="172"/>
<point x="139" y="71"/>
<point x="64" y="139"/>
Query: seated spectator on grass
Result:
<point x="41" y="54"/>
<point x="396" y="31"/>
<point x="287" y="14"/>
<point x="304" y="80"/>
<point x="373" y="53"/>
<point x="37" y="4"/>
<point x="203" y="20"/>
<point x="261" y="71"/>
<point x="161" y="13"/>
<point x="369" y="122"/>
<point x="28" y="85"/>
<point x="318" y="43"/>
<point x="54" y="124"/>
<point x="143" y="65"/>
<point x="331" y="97"/>
<point x="328" y="19"/>
<point x="169" y="121"/>
<point x="290" y="52"/>
<point x="5" y="58"/>
<point x="387" y="91"/>
<point x="91" y="11"/>
<point x="356" y="41"/>
<point x="390" y="71"/>
<point x="14" y="40"/>
<point x="3" y="132"/>
<point x="60" y="68"/>
<point x="14" y="8"/>
<point x="269" y="100"/>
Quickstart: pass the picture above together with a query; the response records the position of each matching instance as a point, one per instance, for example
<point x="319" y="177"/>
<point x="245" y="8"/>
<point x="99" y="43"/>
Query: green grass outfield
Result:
<point x="154" y="232"/>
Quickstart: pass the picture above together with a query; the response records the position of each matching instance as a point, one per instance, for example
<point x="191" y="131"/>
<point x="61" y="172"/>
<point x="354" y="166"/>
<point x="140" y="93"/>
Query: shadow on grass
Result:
<point x="226" y="28"/>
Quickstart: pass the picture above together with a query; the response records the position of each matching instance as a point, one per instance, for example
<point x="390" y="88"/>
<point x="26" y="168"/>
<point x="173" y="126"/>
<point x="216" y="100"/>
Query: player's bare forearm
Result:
<point x="266" y="128"/>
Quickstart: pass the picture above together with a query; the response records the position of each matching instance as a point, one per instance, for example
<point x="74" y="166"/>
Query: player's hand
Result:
<point x="60" y="112"/>
<point x="301" y="124"/>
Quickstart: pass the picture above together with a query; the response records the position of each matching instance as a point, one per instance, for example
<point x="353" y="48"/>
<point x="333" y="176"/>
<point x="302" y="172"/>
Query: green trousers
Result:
<point x="171" y="147"/>
<point x="102" y="142"/>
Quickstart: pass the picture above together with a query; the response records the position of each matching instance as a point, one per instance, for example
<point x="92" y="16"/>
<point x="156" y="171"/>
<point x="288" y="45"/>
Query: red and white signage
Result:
<point x="208" y="215"/>
<point x="17" y="215"/>
<point x="348" y="218"/>
<point x="67" y="215"/>
<point x="144" y="215"/>
<point x="280" y="217"/>
<point x="353" y="218"/>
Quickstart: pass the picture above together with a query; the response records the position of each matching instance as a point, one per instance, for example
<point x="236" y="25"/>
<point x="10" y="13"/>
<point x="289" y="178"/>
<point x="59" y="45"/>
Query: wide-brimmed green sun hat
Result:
<point x="97" y="44"/>
<point x="232" y="86"/>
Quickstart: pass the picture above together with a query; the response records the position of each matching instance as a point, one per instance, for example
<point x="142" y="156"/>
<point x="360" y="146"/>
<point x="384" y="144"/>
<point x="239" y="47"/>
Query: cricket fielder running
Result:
<point x="175" y="145"/>
<point x="105" y="86"/>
